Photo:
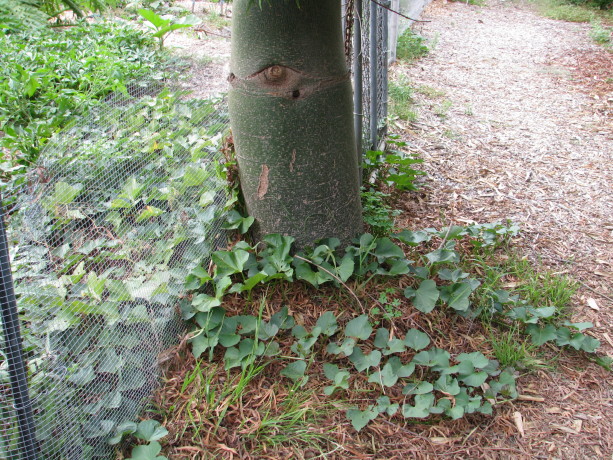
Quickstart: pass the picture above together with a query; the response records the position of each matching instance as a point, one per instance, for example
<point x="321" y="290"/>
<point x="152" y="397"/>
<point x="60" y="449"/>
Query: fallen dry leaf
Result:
<point x="519" y="423"/>
<point x="592" y="304"/>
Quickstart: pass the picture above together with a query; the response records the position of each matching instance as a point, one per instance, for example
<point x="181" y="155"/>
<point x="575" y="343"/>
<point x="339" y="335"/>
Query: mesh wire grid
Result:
<point x="121" y="207"/>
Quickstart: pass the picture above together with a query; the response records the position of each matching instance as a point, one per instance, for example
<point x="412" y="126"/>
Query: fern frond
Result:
<point x="20" y="14"/>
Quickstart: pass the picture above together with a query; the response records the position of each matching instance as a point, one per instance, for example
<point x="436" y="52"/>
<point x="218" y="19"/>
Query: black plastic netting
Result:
<point x="121" y="207"/>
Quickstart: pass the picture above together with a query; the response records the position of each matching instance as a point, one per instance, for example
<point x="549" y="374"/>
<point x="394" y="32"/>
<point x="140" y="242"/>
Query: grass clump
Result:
<point x="411" y="46"/>
<point x="575" y="10"/>
<point x="401" y="99"/>
<point x="601" y="34"/>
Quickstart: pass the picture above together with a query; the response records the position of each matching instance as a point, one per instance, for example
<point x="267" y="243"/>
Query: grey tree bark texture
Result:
<point x="291" y="115"/>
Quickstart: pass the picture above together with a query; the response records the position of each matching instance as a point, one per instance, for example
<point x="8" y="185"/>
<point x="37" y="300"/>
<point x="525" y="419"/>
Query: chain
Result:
<point x="348" y="30"/>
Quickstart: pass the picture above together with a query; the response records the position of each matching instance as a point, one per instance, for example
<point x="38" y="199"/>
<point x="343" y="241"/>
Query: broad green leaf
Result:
<point x="283" y="319"/>
<point x="153" y="18"/>
<point x="201" y="343"/>
<point x="416" y="340"/>
<point x="295" y="370"/>
<point x="205" y="303"/>
<point x="578" y="326"/>
<point x="362" y="361"/>
<point x="385" y="405"/>
<point x="194" y="176"/>
<point x="327" y="323"/>
<point x="421" y="409"/>
<point x="147" y="452"/>
<point x="382" y="337"/>
<point x="434" y="357"/>
<point x="447" y="384"/>
<point x="359" y="419"/>
<point x="417" y="388"/>
<point x="541" y="335"/>
<point x="346" y="347"/>
<point x="443" y="255"/>
<point x="150" y="430"/>
<point x="229" y="262"/>
<point x="454" y="276"/>
<point x="149" y="212"/>
<point x="426" y="296"/>
<point x="476" y="358"/>
<point x="345" y="269"/>
<point x="413" y="238"/>
<point x="207" y="198"/>
<point x="359" y="328"/>
<point x="457" y="296"/>
<point x="475" y="379"/>
<point x="132" y="189"/>
<point x="65" y="193"/>
<point x="394" y="346"/>
<point x="386" y="249"/>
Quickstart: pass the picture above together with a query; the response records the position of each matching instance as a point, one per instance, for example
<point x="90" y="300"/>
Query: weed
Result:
<point x="391" y="306"/>
<point x="410" y="46"/>
<point x="378" y="215"/>
<point x="601" y="34"/>
<point x="562" y="11"/>
<point x="442" y="110"/>
<point x="401" y="99"/>
<point x="429" y="91"/>
<point x="216" y="20"/>
<point x="511" y="348"/>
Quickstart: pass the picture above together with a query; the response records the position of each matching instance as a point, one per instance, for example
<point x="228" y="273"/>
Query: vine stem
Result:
<point x="336" y="278"/>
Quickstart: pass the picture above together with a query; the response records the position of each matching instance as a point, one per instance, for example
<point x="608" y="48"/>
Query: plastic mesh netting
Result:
<point x="122" y="206"/>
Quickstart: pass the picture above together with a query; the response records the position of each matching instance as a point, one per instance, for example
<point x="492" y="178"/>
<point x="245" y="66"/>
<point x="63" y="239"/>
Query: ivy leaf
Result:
<point x="229" y="262"/>
<point x="295" y="370"/>
<point x="359" y="419"/>
<point x="327" y="323"/>
<point x="345" y="269"/>
<point x="578" y="326"/>
<point x="150" y="430"/>
<point x="416" y="340"/>
<point x="362" y="361"/>
<point x="65" y="193"/>
<point x="235" y="221"/>
<point x="194" y="175"/>
<point x="391" y="372"/>
<point x="148" y="213"/>
<point x="394" y="346"/>
<point x="358" y="328"/>
<point x="421" y="409"/>
<point x="147" y="452"/>
<point x="340" y="377"/>
<point x="207" y="198"/>
<point x="205" y="303"/>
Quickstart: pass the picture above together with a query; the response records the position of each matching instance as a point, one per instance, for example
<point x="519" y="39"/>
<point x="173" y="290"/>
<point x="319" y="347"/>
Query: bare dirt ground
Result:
<point x="514" y="122"/>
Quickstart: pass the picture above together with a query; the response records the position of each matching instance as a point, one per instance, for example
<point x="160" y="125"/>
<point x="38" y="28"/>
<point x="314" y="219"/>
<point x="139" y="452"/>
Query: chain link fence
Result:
<point x="97" y="246"/>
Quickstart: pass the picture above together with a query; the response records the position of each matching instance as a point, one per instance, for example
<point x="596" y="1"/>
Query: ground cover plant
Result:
<point x="50" y="76"/>
<point x="100" y="260"/>
<point x="389" y="331"/>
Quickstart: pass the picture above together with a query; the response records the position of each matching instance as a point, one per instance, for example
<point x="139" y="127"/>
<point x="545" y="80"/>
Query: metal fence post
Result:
<point x="386" y="49"/>
<point x="357" y="80"/>
<point x="373" y="76"/>
<point x="14" y="352"/>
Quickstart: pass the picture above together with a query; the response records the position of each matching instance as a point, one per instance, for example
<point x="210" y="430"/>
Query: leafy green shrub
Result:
<point x="393" y="167"/>
<point x="50" y="76"/>
<point x="410" y="46"/>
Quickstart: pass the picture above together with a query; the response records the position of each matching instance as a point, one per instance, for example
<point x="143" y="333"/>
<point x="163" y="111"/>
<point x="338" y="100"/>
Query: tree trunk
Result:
<point x="291" y="115"/>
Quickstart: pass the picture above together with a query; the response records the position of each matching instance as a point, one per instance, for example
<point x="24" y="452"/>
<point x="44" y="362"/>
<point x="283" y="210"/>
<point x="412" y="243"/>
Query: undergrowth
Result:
<point x="376" y="331"/>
